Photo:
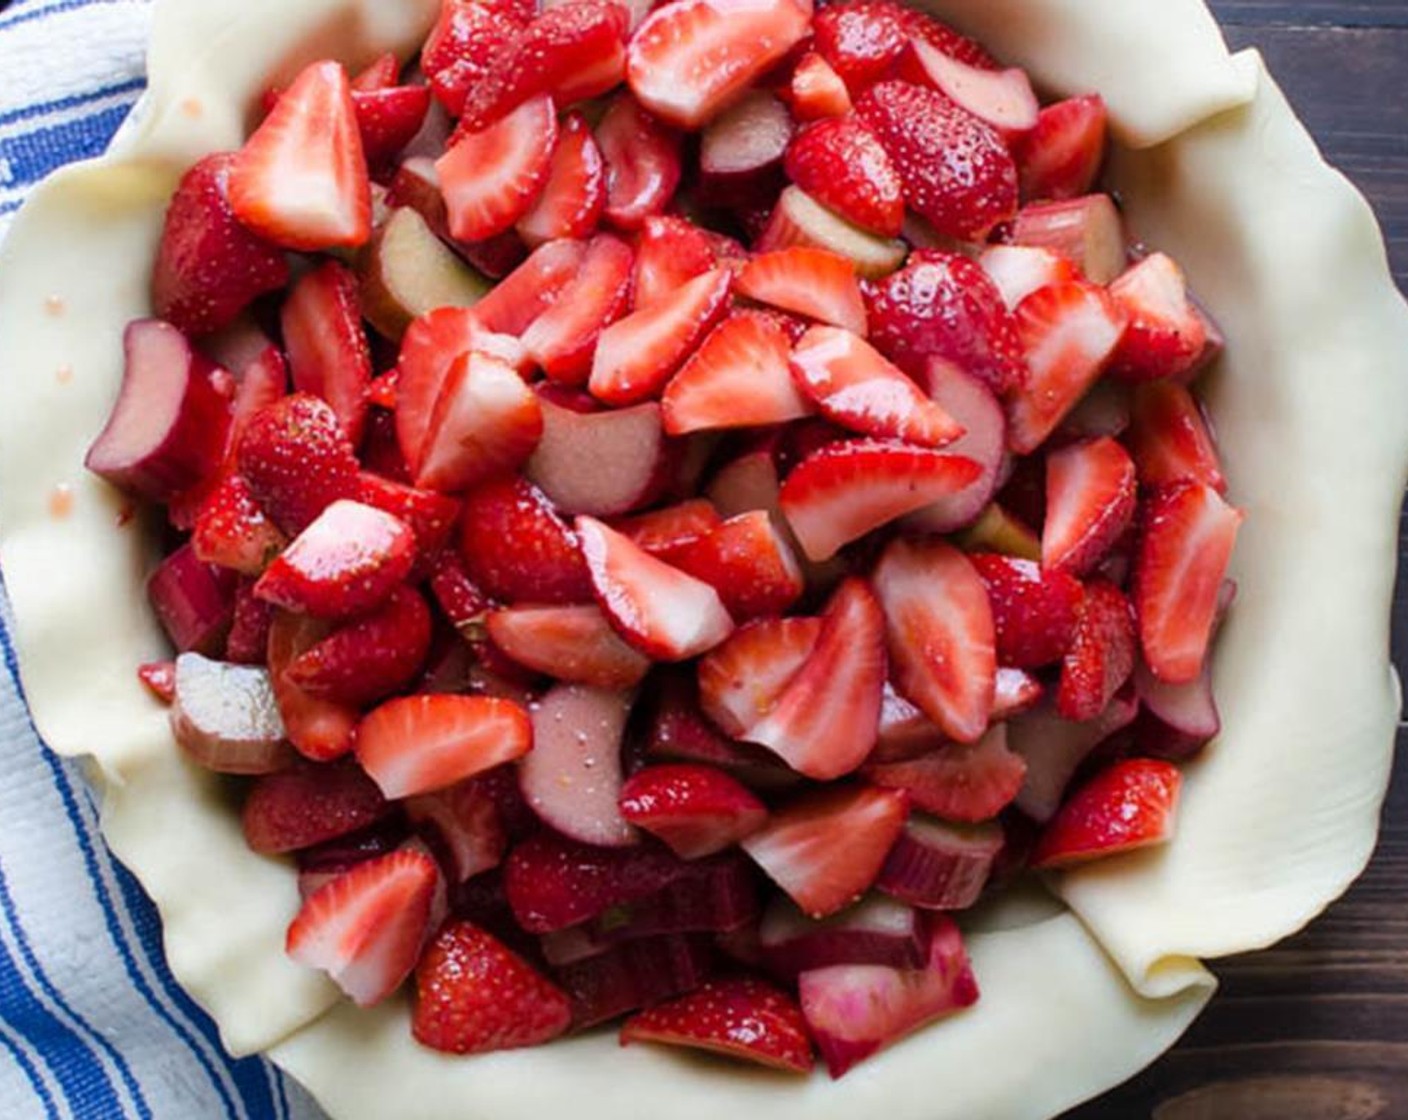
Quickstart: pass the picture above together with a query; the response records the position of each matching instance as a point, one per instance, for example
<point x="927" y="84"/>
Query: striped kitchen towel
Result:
<point x="92" y="1025"/>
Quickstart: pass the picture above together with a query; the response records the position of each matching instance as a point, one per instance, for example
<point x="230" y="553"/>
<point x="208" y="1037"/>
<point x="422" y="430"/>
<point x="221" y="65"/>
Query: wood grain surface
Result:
<point x="1317" y="1028"/>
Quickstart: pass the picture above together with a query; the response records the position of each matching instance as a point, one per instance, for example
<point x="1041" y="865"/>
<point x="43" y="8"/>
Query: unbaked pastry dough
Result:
<point x="1311" y="408"/>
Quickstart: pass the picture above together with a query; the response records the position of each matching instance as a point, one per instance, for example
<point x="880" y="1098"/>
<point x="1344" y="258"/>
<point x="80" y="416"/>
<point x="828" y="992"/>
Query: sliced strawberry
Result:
<point x="861" y="40"/>
<point x="1070" y="332"/>
<point x="486" y="422"/>
<point x="430" y="346"/>
<point x="749" y="562"/>
<point x="371" y="657"/>
<point x="956" y="170"/>
<point x="418" y="744"/>
<point x="1090" y="501"/>
<point x="1170" y="440"/>
<point x="666" y="533"/>
<point x="382" y="72"/>
<point x="575" y="194"/>
<point x="696" y="810"/>
<point x="160" y="679"/>
<point x="942" y="37"/>
<point x="854" y="386"/>
<point x="811" y="282"/>
<point x="841" y="164"/>
<point x="309" y="803"/>
<point x="1189" y="532"/>
<point x="462" y="47"/>
<point x="826" y="848"/>
<point x="1102" y="654"/>
<point x="232" y="530"/>
<point x="569" y="643"/>
<point x="431" y="516"/>
<point x="463" y="824"/>
<point x="968" y="782"/>
<point x="1166" y="335"/>
<point x="1020" y="270"/>
<point x="844" y="490"/>
<point x="572" y="52"/>
<point x="248" y="643"/>
<point x="320" y="729"/>
<point x="297" y="460"/>
<point x="1017" y="692"/>
<point x="737" y="378"/>
<point x="690" y="58"/>
<point x="739" y="1018"/>
<point x="662" y="611"/>
<point x="1034" y="611"/>
<point x="825" y="720"/>
<point x="491" y="178"/>
<point x="474" y="994"/>
<point x="943" y="305"/>
<point x="669" y="252"/>
<point x="1001" y="99"/>
<point x="1131" y="805"/>
<point x="209" y="267"/>
<point x="563" y="338"/>
<point x="1061" y="157"/>
<point x="516" y="547"/>
<point x="643" y="162"/>
<point x="366" y="927"/>
<point x="301" y="179"/>
<point x="327" y="348"/>
<point x="636" y="356"/>
<point x="816" y="90"/>
<point x="347" y="561"/>
<point x="388" y="119"/>
<point x="459" y="597"/>
<point x="741" y="680"/>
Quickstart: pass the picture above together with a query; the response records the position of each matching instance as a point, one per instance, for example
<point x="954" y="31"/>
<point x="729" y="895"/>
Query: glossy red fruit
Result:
<point x="940" y="634"/>
<point x="826" y="848"/>
<point x="431" y="516"/>
<point x="741" y="680"/>
<point x="695" y="810"/>
<point x="1170" y="440"/>
<point x="462" y="47"/>
<point x="1020" y="270"/>
<point x="861" y="40"/>
<point x="388" y="119"/>
<point x="816" y="91"/>
<point x="573" y="643"/>
<point x="370" y="657"/>
<point x="1090" y="500"/>
<point x="327" y="348"/>
<point x="956" y="170"/>
<point x="749" y="562"/>
<point x="643" y="162"/>
<point x="297" y="460"/>
<point x="486" y="423"/>
<point x="1166" y="335"/>
<point x="1062" y="155"/>
<point x="530" y="289"/>
<point x="300" y="181"/>
<point x="232" y="530"/>
<point x="968" y="782"/>
<point x="670" y="251"/>
<point x="1034" y="610"/>
<point x="309" y="803"/>
<point x="575" y="193"/>
<point x="159" y="678"/>
<point x="740" y="1018"/>
<point x="463" y="825"/>
<point x="1001" y="99"/>
<point x="474" y="994"/>
<point x="1102" y="653"/>
<point x="518" y="549"/>
<point x="1131" y="805"/>
<point x="812" y="282"/>
<point x="563" y="338"/>
<point x="668" y="532"/>
<point x="366" y="927"/>
<point x="209" y="267"/>
<point x="841" y="164"/>
<point x="492" y="177"/>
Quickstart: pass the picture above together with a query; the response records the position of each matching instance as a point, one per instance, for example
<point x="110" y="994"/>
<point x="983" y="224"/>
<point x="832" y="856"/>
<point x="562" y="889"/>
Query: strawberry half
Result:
<point x="690" y="58"/>
<point x="741" y="680"/>
<point x="209" y="267"/>
<point x="969" y="782"/>
<point x="825" y="720"/>
<point x="1069" y="331"/>
<point x="388" y="119"/>
<point x="1061" y="157"/>
<point x="669" y="252"/>
<point x="575" y="193"/>
<point x="431" y="516"/>
<point x="370" y="657"/>
<point x="844" y="490"/>
<point x="462" y="47"/>
<point x="748" y="561"/>
<point x="530" y="289"/>
<point x="418" y="744"/>
<point x="695" y="810"/>
<point x="861" y="40"/>
<point x="1166" y="335"/>
<point x="940" y="634"/>
<point x="366" y="927"/>
<point x="956" y="170"/>
<point x="1189" y="532"/>
<point x="812" y="282"/>
<point x="301" y="180"/>
<point x="841" y="164"/>
<point x="667" y="533"/>
<point x="297" y="460"/>
<point x="474" y="994"/>
<point x="1170" y="440"/>
<point x="739" y="1018"/>
<point x="309" y="803"/>
<point x="1034" y="610"/>
<point x="327" y="349"/>
<point x="852" y="385"/>
<point x="737" y="378"/>
<point x="346" y="562"/>
<point x="1131" y="805"/>
<point x="490" y="178"/>
<point x="568" y="643"/>
<point x="826" y="849"/>
<point x="563" y="338"/>
<point x="816" y="91"/>
<point x="636" y="356"/>
<point x="320" y="729"/>
<point x="1102" y="654"/>
<point x="518" y="549"/>
<point x="665" y="613"/>
<point x="232" y="530"/>
<point x="486" y="422"/>
<point x="643" y="163"/>
<point x="1090" y="499"/>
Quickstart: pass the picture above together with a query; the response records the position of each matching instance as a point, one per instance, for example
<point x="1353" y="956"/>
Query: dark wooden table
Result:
<point x="1317" y="1028"/>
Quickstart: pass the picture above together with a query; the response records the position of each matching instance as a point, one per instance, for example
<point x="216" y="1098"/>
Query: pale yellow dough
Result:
<point x="1312" y="409"/>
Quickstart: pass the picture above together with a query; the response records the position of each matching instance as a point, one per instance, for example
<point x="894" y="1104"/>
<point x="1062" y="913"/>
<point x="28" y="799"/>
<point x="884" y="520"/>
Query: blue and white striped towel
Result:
<point x="92" y="1025"/>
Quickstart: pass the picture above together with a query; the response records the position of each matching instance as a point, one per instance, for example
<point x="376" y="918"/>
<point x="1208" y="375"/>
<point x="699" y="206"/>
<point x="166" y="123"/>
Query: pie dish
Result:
<point x="1276" y="824"/>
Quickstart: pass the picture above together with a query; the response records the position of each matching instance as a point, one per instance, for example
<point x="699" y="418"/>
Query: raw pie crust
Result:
<point x="1279" y="816"/>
